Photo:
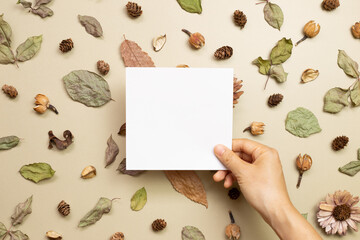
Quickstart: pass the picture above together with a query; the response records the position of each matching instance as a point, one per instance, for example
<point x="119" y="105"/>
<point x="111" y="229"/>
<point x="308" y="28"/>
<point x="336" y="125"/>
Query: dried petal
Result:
<point x="159" y="42"/>
<point x="111" y="151"/>
<point x="309" y="75"/>
<point x="88" y="172"/>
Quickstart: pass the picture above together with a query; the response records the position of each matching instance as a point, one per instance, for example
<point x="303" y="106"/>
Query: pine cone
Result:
<point x="339" y="143"/>
<point x="64" y="208"/>
<point x="275" y="99"/>
<point x="223" y="52"/>
<point x="134" y="10"/>
<point x="117" y="236"/>
<point x="66" y="45"/>
<point x="234" y="193"/>
<point x="330" y="4"/>
<point x="240" y="18"/>
<point x="237" y="93"/>
<point x="10" y="90"/>
<point x="158" y="225"/>
<point x="103" y="67"/>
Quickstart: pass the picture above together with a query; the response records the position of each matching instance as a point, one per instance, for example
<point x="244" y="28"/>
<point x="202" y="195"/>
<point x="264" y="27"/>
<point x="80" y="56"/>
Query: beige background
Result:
<point x="92" y="126"/>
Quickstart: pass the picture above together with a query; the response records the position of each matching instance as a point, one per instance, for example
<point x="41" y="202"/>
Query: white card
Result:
<point x="175" y="117"/>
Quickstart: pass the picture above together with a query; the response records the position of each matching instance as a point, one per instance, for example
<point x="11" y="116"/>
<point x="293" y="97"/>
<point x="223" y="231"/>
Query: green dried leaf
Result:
<point x="302" y="123"/>
<point x="277" y="72"/>
<point x="41" y="2"/>
<point x="9" y="142"/>
<point x="3" y="230"/>
<point x="43" y="11"/>
<point x="24" y="3"/>
<point x="37" y="172"/>
<point x="273" y="15"/>
<point x="282" y="51"/>
<point x="264" y="65"/>
<point x="18" y="235"/>
<point x="191" y="6"/>
<point x="335" y="100"/>
<point x="192" y="233"/>
<point x="351" y="168"/>
<point x="5" y="32"/>
<point x="350" y="67"/>
<point x="355" y="94"/>
<point x="92" y="26"/>
<point x="6" y="55"/>
<point x="21" y="210"/>
<point x="29" y="48"/>
<point x="358" y="154"/>
<point x="138" y="200"/>
<point x="111" y="151"/>
<point x="102" y="206"/>
<point x="305" y="215"/>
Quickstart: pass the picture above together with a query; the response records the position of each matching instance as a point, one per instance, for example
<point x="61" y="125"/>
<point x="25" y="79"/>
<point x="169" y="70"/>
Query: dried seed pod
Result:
<point x="64" y="208"/>
<point x="133" y="9"/>
<point x="330" y="5"/>
<point x="117" y="236"/>
<point x="88" y="172"/>
<point x="236" y="91"/>
<point x="182" y="66"/>
<point x="309" y="75"/>
<point x="303" y="163"/>
<point x="122" y="130"/>
<point x="60" y="144"/>
<point x="232" y="231"/>
<point x="66" y="45"/>
<point x="311" y="29"/>
<point x="159" y="42"/>
<point x="224" y="52"/>
<point x="42" y="104"/>
<point x="339" y="143"/>
<point x="256" y="128"/>
<point x="10" y="90"/>
<point x="158" y="225"/>
<point x="275" y="99"/>
<point x="195" y="39"/>
<point x="240" y="18"/>
<point x="355" y="30"/>
<point x="103" y="67"/>
<point x="53" y="235"/>
<point x="234" y="193"/>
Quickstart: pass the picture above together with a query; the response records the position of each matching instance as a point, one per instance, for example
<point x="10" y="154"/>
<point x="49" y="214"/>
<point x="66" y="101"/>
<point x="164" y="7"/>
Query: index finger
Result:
<point x="249" y="147"/>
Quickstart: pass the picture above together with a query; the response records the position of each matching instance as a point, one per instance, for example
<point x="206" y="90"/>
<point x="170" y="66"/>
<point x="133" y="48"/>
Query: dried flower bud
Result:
<point x="88" y="172"/>
<point x="103" y="67"/>
<point x="303" y="163"/>
<point x="53" y="235"/>
<point x="256" y="128"/>
<point x="43" y="104"/>
<point x="309" y="75"/>
<point x="196" y="39"/>
<point x="311" y="29"/>
<point x="355" y="29"/>
<point x="10" y="90"/>
<point x="40" y="108"/>
<point x="232" y="231"/>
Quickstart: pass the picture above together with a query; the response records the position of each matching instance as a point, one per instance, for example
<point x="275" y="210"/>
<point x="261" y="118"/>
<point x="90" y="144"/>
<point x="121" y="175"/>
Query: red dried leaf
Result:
<point x="133" y="55"/>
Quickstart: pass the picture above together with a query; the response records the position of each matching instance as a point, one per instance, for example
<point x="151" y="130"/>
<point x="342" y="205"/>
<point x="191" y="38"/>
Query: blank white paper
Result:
<point x="175" y="117"/>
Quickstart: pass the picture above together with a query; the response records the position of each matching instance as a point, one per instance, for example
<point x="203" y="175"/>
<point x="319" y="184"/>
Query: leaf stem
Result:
<point x="115" y="199"/>
<point x="267" y="80"/>
<point x="231" y="217"/>
<point x="264" y="1"/>
<point x="186" y="31"/>
<point x="301" y="40"/>
<point x="299" y="179"/>
<point x="51" y="107"/>
<point x="247" y="129"/>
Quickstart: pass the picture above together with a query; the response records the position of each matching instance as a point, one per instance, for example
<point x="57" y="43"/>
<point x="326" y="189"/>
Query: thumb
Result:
<point x="230" y="160"/>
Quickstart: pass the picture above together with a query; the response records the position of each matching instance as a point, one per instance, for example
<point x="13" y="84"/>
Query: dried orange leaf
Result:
<point x="133" y="55"/>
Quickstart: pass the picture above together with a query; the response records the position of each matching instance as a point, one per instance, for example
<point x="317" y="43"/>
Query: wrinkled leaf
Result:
<point x="277" y="72"/>
<point x="43" y="11"/>
<point x="18" y="235"/>
<point x="351" y="168"/>
<point x="138" y="200"/>
<point x="191" y="6"/>
<point x="273" y="15"/>
<point x="6" y="55"/>
<point x="264" y="65"/>
<point x="41" y="2"/>
<point x="192" y="233"/>
<point x="355" y="94"/>
<point x="282" y="51"/>
<point x="102" y="206"/>
<point x="189" y="184"/>
<point x="159" y="42"/>
<point x="87" y="87"/>
<point x="21" y="210"/>
<point x="122" y="131"/>
<point x="305" y="215"/>
<point x="133" y="55"/>
<point x="5" y="32"/>
<point x="302" y="123"/>
<point x="111" y="151"/>
<point x="122" y="169"/>
<point x="335" y="100"/>
<point x="37" y="172"/>
<point x="28" y="49"/>
<point x="358" y="154"/>
<point x="3" y="230"/>
<point x="92" y="26"/>
<point x="8" y="142"/>
<point x="24" y="3"/>
<point x="349" y="66"/>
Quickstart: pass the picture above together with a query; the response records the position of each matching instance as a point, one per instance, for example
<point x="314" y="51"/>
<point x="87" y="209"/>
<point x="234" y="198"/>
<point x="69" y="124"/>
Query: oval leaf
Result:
<point x="122" y="169"/>
<point x="138" y="200"/>
<point x="355" y="94"/>
<point x="92" y="26"/>
<point x="43" y="11"/>
<point x="18" y="235"/>
<point x="5" y="32"/>
<point x="24" y="3"/>
<point x="133" y="55"/>
<point x="264" y="65"/>
<point x="302" y="123"/>
<point x="335" y="100"/>
<point x="3" y="230"/>
<point x="28" y="49"/>
<point x="273" y="15"/>
<point x="192" y="233"/>
<point x="37" y="172"/>
<point x="351" y="168"/>
<point x="6" y="55"/>
<point x="8" y="142"/>
<point x="349" y="66"/>
<point x="282" y="51"/>
<point x="111" y="152"/>
<point x="87" y="87"/>
<point x="102" y="206"/>
<point x="21" y="210"/>
<point x="191" y="6"/>
<point x="277" y="72"/>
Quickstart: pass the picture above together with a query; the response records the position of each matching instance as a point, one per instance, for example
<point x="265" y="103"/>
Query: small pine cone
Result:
<point x="240" y="18"/>
<point x="223" y="52"/>
<point x="330" y="5"/>
<point x="237" y="93"/>
<point x="158" y="225"/>
<point x="234" y="193"/>
<point x="275" y="99"/>
<point x="134" y="10"/>
<point x="103" y="67"/>
<point x="339" y="143"/>
<point x="117" y="236"/>
<point x="66" y="45"/>
<point x="64" y="208"/>
<point x="10" y="90"/>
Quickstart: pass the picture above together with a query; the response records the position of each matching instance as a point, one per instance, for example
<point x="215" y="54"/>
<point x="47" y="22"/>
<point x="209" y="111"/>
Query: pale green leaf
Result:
<point x="87" y="87"/>
<point x="43" y="11"/>
<point x="92" y="26"/>
<point x="29" y="48"/>
<point x="3" y="230"/>
<point x="192" y="233"/>
<point x="18" y="235"/>
<point x="8" y="142"/>
<point x="5" y="32"/>
<point x="335" y="100"/>
<point x="305" y="215"/>
<point x="264" y="65"/>
<point x="6" y="55"/>
<point x="282" y="51"/>
<point x="351" y="168"/>
<point x="355" y="94"/>
<point x="102" y="206"/>
<point x="302" y="123"/>
<point x="273" y="15"/>
<point x="41" y="2"/>
<point x="350" y="67"/>
<point x="24" y="3"/>
<point x="21" y="210"/>
<point x="37" y="172"/>
<point x="139" y="199"/>
<point x="277" y="72"/>
<point x="191" y="6"/>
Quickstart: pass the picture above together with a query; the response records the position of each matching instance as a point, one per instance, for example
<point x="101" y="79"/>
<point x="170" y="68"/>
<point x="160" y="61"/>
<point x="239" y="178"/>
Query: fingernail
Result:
<point x="219" y="150"/>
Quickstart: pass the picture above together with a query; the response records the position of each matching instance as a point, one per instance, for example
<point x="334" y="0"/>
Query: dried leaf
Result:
<point x="21" y="210"/>
<point x="159" y="42"/>
<point x="3" y="230"/>
<point x="138" y="200"/>
<point x="102" y="206"/>
<point x="191" y="6"/>
<point x="111" y="152"/>
<point x="192" y="233"/>
<point x="335" y="100"/>
<point x="355" y="94"/>
<point x="28" y="49"/>
<point x="92" y="26"/>
<point x="277" y="72"/>
<point x="351" y="168"/>
<point x="5" y="32"/>
<point x="6" y="55"/>
<point x="24" y="3"/>
<point x="122" y="169"/>
<point x="358" y="154"/>
<point x="122" y="130"/>
<point x="133" y="56"/>
<point x="60" y="144"/>
<point x="87" y="87"/>
<point x="350" y="67"/>
<point x="18" y="235"/>
<point x="43" y="11"/>
<point x="309" y="75"/>
<point x="189" y="184"/>
<point x="264" y="65"/>
<point x="41" y="2"/>
<point x="281" y="52"/>
<point x="8" y="142"/>
<point x="37" y="172"/>
<point x="273" y="15"/>
<point x="302" y="123"/>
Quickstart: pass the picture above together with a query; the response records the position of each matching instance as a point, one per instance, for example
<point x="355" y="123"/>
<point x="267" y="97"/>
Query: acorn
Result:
<point x="196" y="39"/>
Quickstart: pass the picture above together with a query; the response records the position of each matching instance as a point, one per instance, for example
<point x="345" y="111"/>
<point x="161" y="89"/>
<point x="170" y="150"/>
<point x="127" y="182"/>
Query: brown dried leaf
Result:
<point x="189" y="184"/>
<point x="133" y="55"/>
<point x="111" y="151"/>
<point x="122" y="130"/>
<point x="122" y="169"/>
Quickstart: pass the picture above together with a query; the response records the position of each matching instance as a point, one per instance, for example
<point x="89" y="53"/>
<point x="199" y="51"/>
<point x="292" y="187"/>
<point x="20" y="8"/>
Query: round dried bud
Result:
<point x="40" y="109"/>
<point x="88" y="172"/>
<point x="197" y="40"/>
<point x="232" y="231"/>
<point x="311" y="29"/>
<point x="355" y="30"/>
<point x="117" y="236"/>
<point x="41" y="99"/>
<point x="309" y="75"/>
<point x="303" y="163"/>
<point x="257" y="128"/>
